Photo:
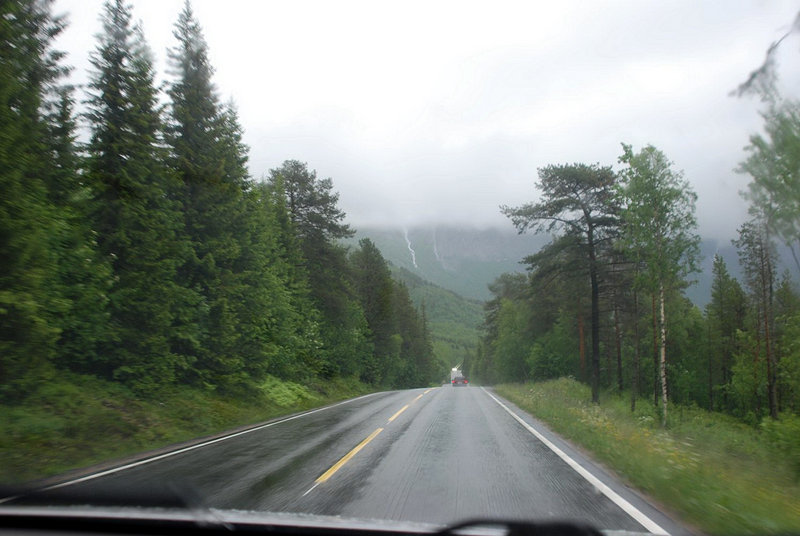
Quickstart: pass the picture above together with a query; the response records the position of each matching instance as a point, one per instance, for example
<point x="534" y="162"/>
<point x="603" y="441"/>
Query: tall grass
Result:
<point x="717" y="473"/>
<point x="76" y="421"/>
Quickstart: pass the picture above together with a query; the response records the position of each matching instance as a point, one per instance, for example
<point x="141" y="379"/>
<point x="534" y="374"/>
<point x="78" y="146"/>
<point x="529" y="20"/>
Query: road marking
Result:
<point x="428" y="391"/>
<point x="186" y="449"/>
<point x="346" y="458"/>
<point x="329" y="473"/>
<point x="627" y="507"/>
<point x="396" y="415"/>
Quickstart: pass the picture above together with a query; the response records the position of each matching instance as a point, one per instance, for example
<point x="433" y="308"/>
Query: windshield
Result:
<point x="417" y="262"/>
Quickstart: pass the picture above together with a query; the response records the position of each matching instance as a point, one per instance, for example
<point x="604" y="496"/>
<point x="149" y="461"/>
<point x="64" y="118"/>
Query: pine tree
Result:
<point x="316" y="222"/>
<point x="758" y="258"/>
<point x="725" y="314"/>
<point x="578" y="200"/>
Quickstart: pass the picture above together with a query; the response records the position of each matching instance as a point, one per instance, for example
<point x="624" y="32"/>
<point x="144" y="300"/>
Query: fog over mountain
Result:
<point x="437" y="113"/>
<point x="465" y="260"/>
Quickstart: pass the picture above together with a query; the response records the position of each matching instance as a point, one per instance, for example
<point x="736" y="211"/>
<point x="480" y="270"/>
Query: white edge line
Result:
<point x="187" y="449"/>
<point x="629" y="509"/>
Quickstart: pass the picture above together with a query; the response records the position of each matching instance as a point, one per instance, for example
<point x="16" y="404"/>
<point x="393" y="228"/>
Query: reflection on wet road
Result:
<point x="425" y="455"/>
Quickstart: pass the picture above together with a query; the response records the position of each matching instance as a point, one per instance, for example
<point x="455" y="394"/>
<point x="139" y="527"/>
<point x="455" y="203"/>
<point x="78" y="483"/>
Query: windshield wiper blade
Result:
<point x="519" y="528"/>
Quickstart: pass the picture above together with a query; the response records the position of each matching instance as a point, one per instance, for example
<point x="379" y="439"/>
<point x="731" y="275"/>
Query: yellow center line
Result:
<point x="338" y="465"/>
<point x="396" y="415"/>
<point x="420" y="396"/>
<point x="428" y="391"/>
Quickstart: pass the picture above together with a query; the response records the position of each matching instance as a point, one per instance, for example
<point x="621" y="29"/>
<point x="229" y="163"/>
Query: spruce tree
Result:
<point x="248" y="318"/>
<point x="133" y="211"/>
<point x="317" y="223"/>
<point x="84" y="275"/>
<point x="29" y="289"/>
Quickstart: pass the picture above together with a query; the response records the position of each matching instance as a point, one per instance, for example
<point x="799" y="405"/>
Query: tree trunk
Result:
<point x="618" y="341"/>
<point x="635" y="382"/>
<point x="663" y="363"/>
<point x="595" y="320"/>
<point x="655" y="352"/>
<point x="581" y="342"/>
<point x="710" y="369"/>
<point x="766" y="289"/>
<point x="756" y="359"/>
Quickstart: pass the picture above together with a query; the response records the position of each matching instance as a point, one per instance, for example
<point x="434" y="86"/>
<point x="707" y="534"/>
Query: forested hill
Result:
<point x="454" y="321"/>
<point x="149" y="258"/>
<point x="467" y="260"/>
<point x="459" y="258"/>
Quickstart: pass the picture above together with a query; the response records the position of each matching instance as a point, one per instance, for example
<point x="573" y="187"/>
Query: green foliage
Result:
<point x="659" y="216"/>
<point x="286" y="394"/>
<point x="784" y="434"/>
<point x="659" y="234"/>
<point x="578" y="200"/>
<point x="453" y="320"/>
<point x="773" y="162"/>
<point x="132" y="210"/>
<point x="717" y="473"/>
<point x="76" y="420"/>
<point x="32" y="296"/>
<point x="149" y="258"/>
<point x="513" y="342"/>
<point x="725" y="315"/>
<point x="556" y="353"/>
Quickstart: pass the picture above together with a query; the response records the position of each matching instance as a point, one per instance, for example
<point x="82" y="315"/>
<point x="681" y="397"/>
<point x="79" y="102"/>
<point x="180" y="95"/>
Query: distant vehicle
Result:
<point x="459" y="380"/>
<point x="455" y="372"/>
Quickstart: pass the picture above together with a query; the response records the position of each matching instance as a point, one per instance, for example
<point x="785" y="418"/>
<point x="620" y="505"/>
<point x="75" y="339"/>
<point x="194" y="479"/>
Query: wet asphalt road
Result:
<point x="451" y="454"/>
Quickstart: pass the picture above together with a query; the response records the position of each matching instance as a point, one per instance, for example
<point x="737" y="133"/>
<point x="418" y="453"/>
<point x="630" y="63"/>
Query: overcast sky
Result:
<point x="438" y="112"/>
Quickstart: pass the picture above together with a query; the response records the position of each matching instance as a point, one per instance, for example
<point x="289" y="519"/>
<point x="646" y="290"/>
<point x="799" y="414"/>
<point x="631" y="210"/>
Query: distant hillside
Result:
<point x="466" y="260"/>
<point x="459" y="259"/>
<point x="700" y="292"/>
<point x="453" y="320"/>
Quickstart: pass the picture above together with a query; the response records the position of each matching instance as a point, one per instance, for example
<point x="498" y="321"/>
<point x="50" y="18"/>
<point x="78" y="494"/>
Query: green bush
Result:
<point x="784" y="435"/>
<point x="284" y="393"/>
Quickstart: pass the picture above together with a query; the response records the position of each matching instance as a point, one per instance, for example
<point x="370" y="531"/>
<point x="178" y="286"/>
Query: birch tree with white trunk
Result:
<point x="659" y="231"/>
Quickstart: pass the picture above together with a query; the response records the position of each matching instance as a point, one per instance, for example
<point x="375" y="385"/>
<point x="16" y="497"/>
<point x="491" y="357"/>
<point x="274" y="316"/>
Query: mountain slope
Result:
<point x="463" y="260"/>
<point x="467" y="260"/>
<point x="454" y="321"/>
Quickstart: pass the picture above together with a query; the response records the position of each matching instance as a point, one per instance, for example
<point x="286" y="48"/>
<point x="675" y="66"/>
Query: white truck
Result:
<point x="457" y="377"/>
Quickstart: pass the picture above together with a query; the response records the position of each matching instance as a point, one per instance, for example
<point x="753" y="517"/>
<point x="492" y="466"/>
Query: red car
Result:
<point x="459" y="380"/>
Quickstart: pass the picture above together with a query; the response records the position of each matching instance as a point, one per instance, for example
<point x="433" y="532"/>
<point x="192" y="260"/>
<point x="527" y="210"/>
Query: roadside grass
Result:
<point x="77" y="421"/>
<point x="719" y="474"/>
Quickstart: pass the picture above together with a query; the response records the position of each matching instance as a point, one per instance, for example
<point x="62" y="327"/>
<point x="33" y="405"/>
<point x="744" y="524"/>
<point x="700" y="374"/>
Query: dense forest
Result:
<point x="136" y="248"/>
<point x="604" y="302"/>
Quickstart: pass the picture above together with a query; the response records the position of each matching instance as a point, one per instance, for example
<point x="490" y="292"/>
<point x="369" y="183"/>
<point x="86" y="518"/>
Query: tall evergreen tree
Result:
<point x="725" y="314"/>
<point x="758" y="259"/>
<point x="317" y="223"/>
<point x="231" y="242"/>
<point x="133" y="210"/>
<point x="373" y="284"/>
<point x="84" y="275"/>
<point x="30" y="300"/>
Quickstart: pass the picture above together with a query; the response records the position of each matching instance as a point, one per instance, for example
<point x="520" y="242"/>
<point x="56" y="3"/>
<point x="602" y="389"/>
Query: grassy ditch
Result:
<point x="722" y="476"/>
<point x="77" y="421"/>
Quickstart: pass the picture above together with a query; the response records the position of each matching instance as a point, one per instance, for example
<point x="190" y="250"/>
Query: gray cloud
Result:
<point x="440" y="112"/>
